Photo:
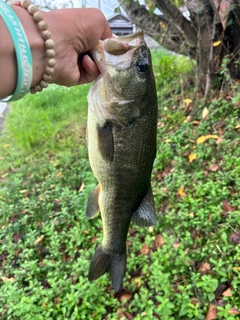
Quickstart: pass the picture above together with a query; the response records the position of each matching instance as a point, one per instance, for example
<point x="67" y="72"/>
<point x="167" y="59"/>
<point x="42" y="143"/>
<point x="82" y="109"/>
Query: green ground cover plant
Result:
<point x="187" y="267"/>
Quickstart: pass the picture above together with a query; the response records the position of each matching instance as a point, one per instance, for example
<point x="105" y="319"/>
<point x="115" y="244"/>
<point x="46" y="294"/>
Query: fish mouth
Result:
<point x="117" y="51"/>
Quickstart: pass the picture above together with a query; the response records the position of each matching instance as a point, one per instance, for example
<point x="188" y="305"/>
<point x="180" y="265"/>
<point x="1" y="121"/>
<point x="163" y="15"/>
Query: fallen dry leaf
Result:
<point x="236" y="268"/>
<point x="227" y="293"/>
<point x="233" y="311"/>
<point x="6" y="279"/>
<point x="158" y="242"/>
<point x="125" y="297"/>
<point x="120" y="313"/>
<point x="17" y="237"/>
<point x="82" y="187"/>
<point x="196" y="122"/>
<point x="145" y="249"/>
<point x="213" y="167"/>
<point x="219" y="140"/>
<point x="176" y="245"/>
<point x="23" y="191"/>
<point x="192" y="157"/>
<point x="181" y="192"/>
<point x="205" y="113"/>
<point x="226" y="206"/>
<point x="129" y="315"/>
<point x="216" y="43"/>
<point x="212" y="312"/>
<point x="204" y="267"/>
<point x="59" y="174"/>
<point x="202" y="139"/>
<point x="188" y="119"/>
<point x="39" y="240"/>
<point x="235" y="237"/>
<point x="187" y="101"/>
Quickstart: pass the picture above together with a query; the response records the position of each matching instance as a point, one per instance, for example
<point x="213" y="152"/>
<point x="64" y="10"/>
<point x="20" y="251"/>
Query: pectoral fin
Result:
<point x="105" y="141"/>
<point x="145" y="215"/>
<point x="92" y="204"/>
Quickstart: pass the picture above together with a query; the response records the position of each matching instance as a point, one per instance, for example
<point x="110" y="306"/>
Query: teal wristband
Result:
<point x="22" y="49"/>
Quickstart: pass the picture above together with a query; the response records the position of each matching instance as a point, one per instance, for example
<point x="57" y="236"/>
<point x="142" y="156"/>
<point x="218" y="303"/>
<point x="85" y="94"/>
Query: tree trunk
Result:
<point x="210" y="34"/>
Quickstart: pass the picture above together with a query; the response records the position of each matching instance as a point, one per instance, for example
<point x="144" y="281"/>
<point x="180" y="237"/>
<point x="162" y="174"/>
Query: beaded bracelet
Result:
<point x="22" y="50"/>
<point x="49" y="44"/>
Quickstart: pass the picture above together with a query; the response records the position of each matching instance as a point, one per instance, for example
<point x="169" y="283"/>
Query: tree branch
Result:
<point x="154" y="25"/>
<point x="173" y="14"/>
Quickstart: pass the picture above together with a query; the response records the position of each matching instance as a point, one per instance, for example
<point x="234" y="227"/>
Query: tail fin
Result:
<point x="102" y="262"/>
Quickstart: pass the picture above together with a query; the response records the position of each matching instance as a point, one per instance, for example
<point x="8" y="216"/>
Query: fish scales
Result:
<point x="122" y="120"/>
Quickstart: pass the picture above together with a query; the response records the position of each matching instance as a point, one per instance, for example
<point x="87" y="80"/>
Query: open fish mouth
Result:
<point x="117" y="49"/>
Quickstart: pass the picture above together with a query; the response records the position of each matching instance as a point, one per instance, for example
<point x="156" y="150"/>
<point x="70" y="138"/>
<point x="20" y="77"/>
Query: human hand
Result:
<point x="75" y="32"/>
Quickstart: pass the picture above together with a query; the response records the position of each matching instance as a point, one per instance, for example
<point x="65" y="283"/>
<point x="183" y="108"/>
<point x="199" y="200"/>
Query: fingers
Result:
<point x="75" y="32"/>
<point x="88" y="70"/>
<point x="92" y="26"/>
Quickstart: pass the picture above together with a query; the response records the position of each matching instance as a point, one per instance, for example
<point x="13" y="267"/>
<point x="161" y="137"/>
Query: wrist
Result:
<point x="36" y="43"/>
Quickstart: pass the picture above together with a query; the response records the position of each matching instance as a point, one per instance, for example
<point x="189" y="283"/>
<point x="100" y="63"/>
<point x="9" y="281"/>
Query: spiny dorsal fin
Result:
<point x="145" y="216"/>
<point x="105" y="140"/>
<point x="92" y="203"/>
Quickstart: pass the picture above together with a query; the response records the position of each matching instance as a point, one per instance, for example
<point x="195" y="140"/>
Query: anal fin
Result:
<point x="145" y="215"/>
<point x="92" y="203"/>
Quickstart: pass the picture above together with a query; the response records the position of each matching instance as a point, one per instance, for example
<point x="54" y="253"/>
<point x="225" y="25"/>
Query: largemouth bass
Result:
<point x="122" y="122"/>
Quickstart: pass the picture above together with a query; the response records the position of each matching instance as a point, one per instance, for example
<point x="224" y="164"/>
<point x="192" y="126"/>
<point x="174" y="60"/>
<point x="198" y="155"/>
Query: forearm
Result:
<point x="8" y="62"/>
<point x="8" y="66"/>
<point x="74" y="32"/>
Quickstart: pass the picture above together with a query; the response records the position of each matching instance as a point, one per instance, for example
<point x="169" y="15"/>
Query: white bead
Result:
<point x="49" y="44"/>
<point x="50" y="53"/>
<point x="38" y="88"/>
<point x="46" y="77"/>
<point x="43" y="84"/>
<point x="26" y="4"/>
<point x="32" y="90"/>
<point x="46" y="34"/>
<point x="51" y="63"/>
<point x="42" y="25"/>
<point x="32" y="9"/>
<point x="37" y="17"/>
<point x="49" y="71"/>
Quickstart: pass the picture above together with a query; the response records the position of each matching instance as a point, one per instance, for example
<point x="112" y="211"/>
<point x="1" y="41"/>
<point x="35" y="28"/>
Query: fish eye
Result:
<point x="142" y="65"/>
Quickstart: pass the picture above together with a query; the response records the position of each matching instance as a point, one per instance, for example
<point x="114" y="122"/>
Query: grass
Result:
<point x="180" y="269"/>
